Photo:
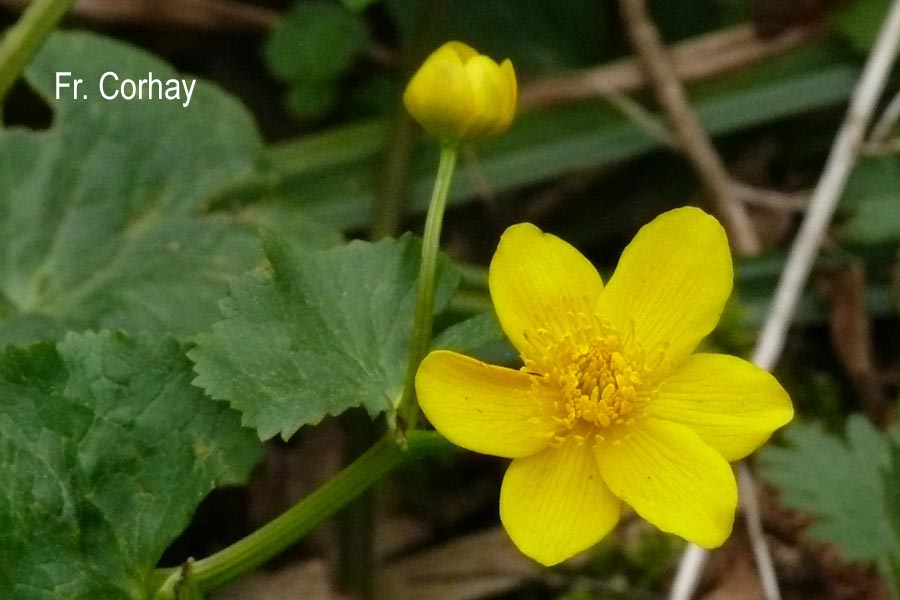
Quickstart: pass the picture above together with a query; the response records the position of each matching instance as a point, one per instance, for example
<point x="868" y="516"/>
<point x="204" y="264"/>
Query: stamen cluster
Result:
<point x="604" y="381"/>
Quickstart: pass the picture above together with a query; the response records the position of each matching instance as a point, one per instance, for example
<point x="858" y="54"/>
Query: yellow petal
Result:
<point x="733" y="405"/>
<point x="555" y="504"/>
<point x="671" y="283"/>
<point x="482" y="407"/>
<point x="673" y="480"/>
<point x="439" y="96"/>
<point x="490" y="91"/>
<point x="465" y="52"/>
<point x="512" y="92"/>
<point x="541" y="286"/>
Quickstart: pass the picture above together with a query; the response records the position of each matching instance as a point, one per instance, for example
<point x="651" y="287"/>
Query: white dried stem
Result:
<point x="843" y="156"/>
<point x="824" y="199"/>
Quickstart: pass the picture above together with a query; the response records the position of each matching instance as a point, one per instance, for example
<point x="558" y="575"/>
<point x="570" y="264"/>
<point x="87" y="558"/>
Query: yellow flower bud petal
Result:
<point x="490" y="91"/>
<point x="512" y="93"/>
<point x="460" y="95"/>
<point x="465" y="52"/>
<point x="440" y="96"/>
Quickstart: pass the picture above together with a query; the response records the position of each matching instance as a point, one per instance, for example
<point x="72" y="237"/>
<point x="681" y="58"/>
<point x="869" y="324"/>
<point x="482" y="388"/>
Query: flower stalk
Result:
<point x="248" y="553"/>
<point x="26" y="37"/>
<point x="457" y="95"/>
<point x="408" y="410"/>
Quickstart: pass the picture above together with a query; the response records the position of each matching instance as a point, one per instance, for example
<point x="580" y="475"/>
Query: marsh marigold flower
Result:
<point x="612" y="406"/>
<point x="460" y="95"/>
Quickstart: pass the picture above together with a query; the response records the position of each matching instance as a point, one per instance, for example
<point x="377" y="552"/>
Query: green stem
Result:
<point x="248" y="553"/>
<point x="408" y="411"/>
<point x="25" y="38"/>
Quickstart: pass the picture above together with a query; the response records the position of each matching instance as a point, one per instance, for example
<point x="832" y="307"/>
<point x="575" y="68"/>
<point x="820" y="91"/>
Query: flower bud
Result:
<point x="460" y="95"/>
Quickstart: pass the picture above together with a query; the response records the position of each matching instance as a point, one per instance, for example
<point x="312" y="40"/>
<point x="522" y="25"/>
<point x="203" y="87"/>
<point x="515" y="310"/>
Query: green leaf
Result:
<point x="891" y="480"/>
<point x="480" y="337"/>
<point x="103" y="216"/>
<point x="292" y="225"/>
<point x="840" y="483"/>
<point x="871" y="197"/>
<point x="311" y="100"/>
<point x="859" y="22"/>
<point x="357" y="5"/>
<point x="316" y="42"/>
<point x="322" y="332"/>
<point x="106" y="449"/>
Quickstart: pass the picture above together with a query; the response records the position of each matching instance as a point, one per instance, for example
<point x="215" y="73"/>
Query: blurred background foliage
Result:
<point x="336" y="158"/>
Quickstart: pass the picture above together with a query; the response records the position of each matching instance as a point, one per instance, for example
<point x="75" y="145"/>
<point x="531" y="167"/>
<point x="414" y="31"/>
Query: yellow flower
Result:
<point x="612" y="405"/>
<point x="460" y="95"/>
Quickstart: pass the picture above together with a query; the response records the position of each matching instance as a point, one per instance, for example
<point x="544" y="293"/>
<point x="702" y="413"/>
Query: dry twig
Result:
<point x="748" y="194"/>
<point x="770" y="199"/>
<point x="692" y="139"/>
<point x="196" y="14"/>
<point x="823" y="201"/>
<point x="851" y="336"/>
<point x="692" y="60"/>
<point x="843" y="156"/>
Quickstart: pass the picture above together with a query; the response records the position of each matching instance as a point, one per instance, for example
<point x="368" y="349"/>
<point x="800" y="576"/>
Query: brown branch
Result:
<point x="770" y="199"/>
<point x="692" y="139"/>
<point x="850" y="330"/>
<point x="749" y="195"/>
<point x="692" y="60"/>
<point x="193" y="14"/>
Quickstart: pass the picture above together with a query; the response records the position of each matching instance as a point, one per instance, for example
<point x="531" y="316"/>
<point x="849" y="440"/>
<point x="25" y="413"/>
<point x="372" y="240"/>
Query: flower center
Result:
<point x="605" y="382"/>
